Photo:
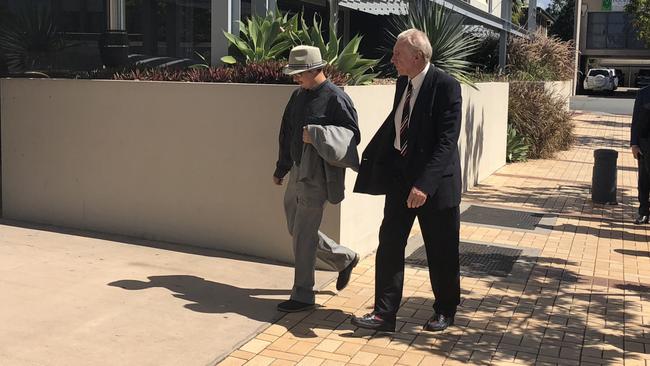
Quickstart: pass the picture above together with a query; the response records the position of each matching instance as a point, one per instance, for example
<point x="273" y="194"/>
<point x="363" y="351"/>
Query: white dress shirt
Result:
<point x="416" y="82"/>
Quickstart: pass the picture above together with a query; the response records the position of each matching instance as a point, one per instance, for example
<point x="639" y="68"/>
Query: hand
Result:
<point x="636" y="151"/>
<point x="306" y="137"/>
<point x="416" y="198"/>
<point x="277" y="181"/>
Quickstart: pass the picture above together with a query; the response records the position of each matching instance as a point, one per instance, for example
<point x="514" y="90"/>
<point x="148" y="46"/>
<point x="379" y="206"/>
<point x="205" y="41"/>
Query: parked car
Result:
<point x="603" y="80"/>
<point x="642" y="78"/>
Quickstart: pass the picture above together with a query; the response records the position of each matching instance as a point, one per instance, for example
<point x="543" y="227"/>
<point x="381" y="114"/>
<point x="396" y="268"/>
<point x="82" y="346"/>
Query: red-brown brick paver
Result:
<point x="585" y="300"/>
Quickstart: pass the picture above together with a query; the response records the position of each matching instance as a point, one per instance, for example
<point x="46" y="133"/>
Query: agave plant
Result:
<point x="30" y="39"/>
<point x="516" y="146"/>
<point x="272" y="36"/>
<point x="450" y="42"/>
<point x="263" y="38"/>
<point x="348" y="61"/>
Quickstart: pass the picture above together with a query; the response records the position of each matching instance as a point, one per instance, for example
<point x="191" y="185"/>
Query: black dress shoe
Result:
<point x="374" y="322"/>
<point x="641" y="219"/>
<point x="438" y="322"/>
<point x="344" y="275"/>
<point x="293" y="306"/>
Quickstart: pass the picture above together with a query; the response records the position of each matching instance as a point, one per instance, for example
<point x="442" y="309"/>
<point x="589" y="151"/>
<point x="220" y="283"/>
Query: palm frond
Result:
<point x="450" y="43"/>
<point x="31" y="38"/>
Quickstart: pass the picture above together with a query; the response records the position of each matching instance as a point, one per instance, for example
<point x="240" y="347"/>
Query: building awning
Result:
<point x="400" y="7"/>
<point x="377" y="7"/>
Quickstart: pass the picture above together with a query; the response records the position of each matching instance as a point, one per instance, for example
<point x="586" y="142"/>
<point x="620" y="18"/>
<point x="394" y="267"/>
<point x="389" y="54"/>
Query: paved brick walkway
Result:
<point x="584" y="299"/>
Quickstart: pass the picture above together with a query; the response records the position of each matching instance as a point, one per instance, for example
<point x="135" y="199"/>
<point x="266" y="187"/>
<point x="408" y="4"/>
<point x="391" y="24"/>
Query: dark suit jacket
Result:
<point x="641" y="120"/>
<point x="433" y="163"/>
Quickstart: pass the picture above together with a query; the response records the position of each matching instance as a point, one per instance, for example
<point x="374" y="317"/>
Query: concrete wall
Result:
<point x="562" y="89"/>
<point x="484" y="131"/>
<point x="190" y="163"/>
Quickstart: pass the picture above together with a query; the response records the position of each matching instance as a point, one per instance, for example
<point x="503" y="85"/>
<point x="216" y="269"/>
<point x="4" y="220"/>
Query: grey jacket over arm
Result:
<point x="334" y="149"/>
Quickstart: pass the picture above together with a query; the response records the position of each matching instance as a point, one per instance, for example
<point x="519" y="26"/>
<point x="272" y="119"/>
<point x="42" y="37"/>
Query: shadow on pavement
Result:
<point x="212" y="297"/>
<point x="551" y="314"/>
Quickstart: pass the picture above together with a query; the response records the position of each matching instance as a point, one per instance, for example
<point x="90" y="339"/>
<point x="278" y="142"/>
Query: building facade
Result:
<point x="164" y="32"/>
<point x="608" y="39"/>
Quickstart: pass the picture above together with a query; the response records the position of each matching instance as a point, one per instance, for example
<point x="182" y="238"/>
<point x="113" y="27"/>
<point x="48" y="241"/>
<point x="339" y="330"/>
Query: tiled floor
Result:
<point x="584" y="300"/>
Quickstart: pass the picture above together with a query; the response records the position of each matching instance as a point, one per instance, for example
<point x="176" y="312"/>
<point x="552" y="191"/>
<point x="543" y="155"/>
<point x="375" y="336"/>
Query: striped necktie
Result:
<point x="406" y="115"/>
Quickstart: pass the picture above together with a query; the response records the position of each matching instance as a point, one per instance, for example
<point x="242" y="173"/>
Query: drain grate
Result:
<point x="501" y="217"/>
<point x="476" y="260"/>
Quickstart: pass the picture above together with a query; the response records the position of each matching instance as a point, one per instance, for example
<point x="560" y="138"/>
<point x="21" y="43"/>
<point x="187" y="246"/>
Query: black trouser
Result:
<point x="440" y="230"/>
<point x="644" y="185"/>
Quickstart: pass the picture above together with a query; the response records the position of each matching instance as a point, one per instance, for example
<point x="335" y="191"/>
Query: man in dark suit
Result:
<point x="413" y="160"/>
<point x="641" y="150"/>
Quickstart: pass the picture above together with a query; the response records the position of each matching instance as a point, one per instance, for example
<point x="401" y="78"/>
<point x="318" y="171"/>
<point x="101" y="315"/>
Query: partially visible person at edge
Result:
<point x="413" y="160"/>
<point x="318" y="113"/>
<point x="640" y="146"/>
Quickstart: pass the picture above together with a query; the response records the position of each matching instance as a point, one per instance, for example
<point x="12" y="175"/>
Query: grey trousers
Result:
<point x="304" y="203"/>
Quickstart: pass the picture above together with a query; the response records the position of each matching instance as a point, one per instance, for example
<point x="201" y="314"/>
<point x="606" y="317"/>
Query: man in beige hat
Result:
<point x="318" y="117"/>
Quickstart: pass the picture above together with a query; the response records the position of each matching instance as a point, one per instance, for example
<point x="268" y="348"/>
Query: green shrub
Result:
<point x="540" y="58"/>
<point x="541" y="117"/>
<point x="271" y="38"/>
<point x="30" y="39"/>
<point x="486" y="57"/>
<point x="263" y="38"/>
<point x="517" y="146"/>
<point x="348" y="60"/>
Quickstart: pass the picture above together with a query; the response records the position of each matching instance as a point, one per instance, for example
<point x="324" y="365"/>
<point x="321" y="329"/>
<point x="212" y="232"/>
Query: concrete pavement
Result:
<point x="70" y="299"/>
<point x="580" y="297"/>
<point x="619" y="104"/>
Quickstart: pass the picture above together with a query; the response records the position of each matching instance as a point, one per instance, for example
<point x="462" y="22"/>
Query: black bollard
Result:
<point x="603" y="180"/>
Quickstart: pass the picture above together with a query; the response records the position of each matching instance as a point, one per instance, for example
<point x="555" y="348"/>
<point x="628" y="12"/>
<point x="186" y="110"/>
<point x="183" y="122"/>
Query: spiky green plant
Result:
<point x="517" y="146"/>
<point x="451" y="44"/>
<point x="348" y="60"/>
<point x="30" y="39"/>
<point x="263" y="38"/>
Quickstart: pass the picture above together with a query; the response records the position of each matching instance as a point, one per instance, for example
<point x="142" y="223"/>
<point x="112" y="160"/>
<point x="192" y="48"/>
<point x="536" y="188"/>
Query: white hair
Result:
<point x="418" y="41"/>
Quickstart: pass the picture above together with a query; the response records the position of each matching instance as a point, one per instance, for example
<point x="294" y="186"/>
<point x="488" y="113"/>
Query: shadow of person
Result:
<point x="635" y="253"/>
<point x="212" y="297"/>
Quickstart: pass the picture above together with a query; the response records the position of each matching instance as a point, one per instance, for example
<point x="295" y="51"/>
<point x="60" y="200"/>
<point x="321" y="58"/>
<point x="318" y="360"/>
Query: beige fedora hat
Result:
<point x="303" y="58"/>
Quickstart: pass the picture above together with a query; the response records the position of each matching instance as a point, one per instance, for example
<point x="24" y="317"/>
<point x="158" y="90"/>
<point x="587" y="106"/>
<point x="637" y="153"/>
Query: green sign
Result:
<point x="607" y="5"/>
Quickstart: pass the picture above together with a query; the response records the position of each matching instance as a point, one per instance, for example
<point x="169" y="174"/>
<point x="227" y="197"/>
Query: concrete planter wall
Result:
<point x="562" y="89"/>
<point x="190" y="163"/>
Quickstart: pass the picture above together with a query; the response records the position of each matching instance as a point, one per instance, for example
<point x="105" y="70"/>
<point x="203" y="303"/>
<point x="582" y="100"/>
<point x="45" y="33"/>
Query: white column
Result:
<point x="334" y="15"/>
<point x="506" y="15"/>
<point x="346" y="26"/>
<point x="532" y="16"/>
<point x="262" y="7"/>
<point x="225" y="16"/>
<point x="116" y="15"/>
<point x="576" y="37"/>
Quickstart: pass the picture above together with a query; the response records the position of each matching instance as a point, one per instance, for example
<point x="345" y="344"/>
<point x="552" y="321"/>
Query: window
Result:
<point x="169" y="28"/>
<point x="611" y="30"/>
<point x="596" y="72"/>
